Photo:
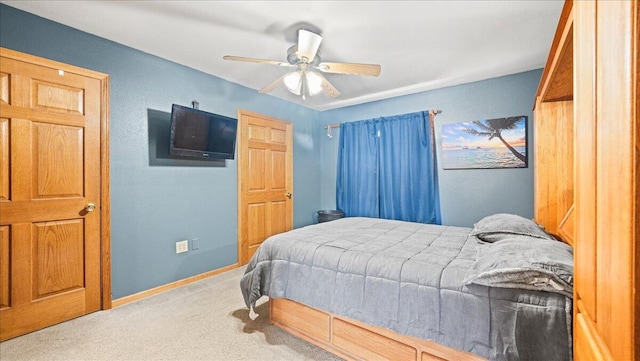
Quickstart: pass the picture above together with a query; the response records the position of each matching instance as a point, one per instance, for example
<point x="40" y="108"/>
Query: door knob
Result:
<point x="90" y="207"/>
<point x="288" y="194"/>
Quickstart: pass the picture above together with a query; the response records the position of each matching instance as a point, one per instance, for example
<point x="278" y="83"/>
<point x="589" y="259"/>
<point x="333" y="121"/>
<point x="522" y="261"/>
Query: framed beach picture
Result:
<point x="482" y="144"/>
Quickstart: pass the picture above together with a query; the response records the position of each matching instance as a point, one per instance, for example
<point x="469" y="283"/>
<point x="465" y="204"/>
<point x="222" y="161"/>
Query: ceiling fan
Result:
<point x="307" y="78"/>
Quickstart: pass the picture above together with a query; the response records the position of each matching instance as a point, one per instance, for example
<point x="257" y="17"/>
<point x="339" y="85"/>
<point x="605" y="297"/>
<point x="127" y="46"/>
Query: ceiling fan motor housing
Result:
<point x="294" y="59"/>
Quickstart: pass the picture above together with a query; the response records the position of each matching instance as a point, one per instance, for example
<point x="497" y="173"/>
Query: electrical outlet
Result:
<point x="182" y="246"/>
<point x="195" y="243"/>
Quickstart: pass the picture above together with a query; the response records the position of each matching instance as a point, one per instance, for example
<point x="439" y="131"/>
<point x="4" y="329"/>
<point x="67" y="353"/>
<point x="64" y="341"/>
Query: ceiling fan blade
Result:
<point x="308" y="44"/>
<point x="274" y="84"/>
<point x="350" y="68"/>
<point x="328" y="88"/>
<point x="256" y="60"/>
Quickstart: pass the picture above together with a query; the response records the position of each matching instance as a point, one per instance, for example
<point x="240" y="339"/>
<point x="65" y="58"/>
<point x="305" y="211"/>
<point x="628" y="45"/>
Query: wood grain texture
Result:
<point x="257" y="223"/>
<point x="265" y="178"/>
<point x="57" y="97"/>
<point x="585" y="287"/>
<point x="636" y="130"/>
<point x="350" y="68"/>
<point x="553" y="165"/>
<point x="278" y="217"/>
<point x="257" y="165"/>
<point x="5" y="266"/>
<point x="566" y="228"/>
<point x="57" y="160"/>
<point x="105" y="196"/>
<point x="313" y="323"/>
<point x="355" y="340"/>
<point x="57" y="117"/>
<point x="605" y="215"/>
<point x="5" y="159"/>
<point x="278" y="136"/>
<point x="560" y="82"/>
<point x="279" y="170"/>
<point x="606" y="48"/>
<point x="5" y="88"/>
<point x="58" y="257"/>
<point x="615" y="194"/>
<point x="557" y="74"/>
<point x="585" y="347"/>
<point x="17" y="321"/>
<point x="368" y="344"/>
<point x="429" y="357"/>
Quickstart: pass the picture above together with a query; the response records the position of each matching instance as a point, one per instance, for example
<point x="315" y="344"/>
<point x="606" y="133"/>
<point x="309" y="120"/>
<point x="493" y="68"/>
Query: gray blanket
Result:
<point x="410" y="278"/>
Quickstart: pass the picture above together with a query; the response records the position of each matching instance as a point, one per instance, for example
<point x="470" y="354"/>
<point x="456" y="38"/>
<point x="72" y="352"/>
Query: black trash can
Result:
<point x="329" y="215"/>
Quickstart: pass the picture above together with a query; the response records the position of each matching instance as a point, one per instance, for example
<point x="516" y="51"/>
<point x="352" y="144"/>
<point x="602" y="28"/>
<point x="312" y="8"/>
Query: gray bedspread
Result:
<point x="410" y="278"/>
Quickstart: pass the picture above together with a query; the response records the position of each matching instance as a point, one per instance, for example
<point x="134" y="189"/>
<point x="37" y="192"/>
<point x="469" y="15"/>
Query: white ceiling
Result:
<point x="421" y="45"/>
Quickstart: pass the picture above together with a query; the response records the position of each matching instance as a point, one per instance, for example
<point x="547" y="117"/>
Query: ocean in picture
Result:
<point x="491" y="143"/>
<point x="482" y="158"/>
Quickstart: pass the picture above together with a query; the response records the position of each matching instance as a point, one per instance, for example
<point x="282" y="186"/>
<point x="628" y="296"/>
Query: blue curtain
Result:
<point x="358" y="169"/>
<point x="387" y="169"/>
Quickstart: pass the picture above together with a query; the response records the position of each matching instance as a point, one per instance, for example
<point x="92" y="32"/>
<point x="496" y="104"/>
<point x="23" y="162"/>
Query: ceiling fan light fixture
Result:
<point x="314" y="82"/>
<point x="292" y="82"/>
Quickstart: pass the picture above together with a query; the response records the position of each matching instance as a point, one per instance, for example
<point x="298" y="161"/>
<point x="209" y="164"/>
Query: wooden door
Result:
<point x="50" y="193"/>
<point x="265" y="176"/>
<point x="607" y="164"/>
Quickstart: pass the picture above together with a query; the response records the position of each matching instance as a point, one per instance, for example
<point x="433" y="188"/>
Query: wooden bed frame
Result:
<point x="355" y="340"/>
<point x="553" y="199"/>
<point x="586" y="180"/>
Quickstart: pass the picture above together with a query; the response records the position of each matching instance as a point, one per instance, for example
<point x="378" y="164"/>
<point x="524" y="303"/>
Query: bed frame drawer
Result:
<point x="355" y="340"/>
<point x="311" y="322"/>
<point x="368" y="344"/>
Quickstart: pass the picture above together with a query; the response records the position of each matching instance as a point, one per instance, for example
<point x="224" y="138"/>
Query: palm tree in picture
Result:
<point x="493" y="128"/>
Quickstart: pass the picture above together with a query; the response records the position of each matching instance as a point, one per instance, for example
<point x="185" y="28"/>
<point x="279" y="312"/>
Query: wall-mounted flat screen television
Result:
<point x="199" y="134"/>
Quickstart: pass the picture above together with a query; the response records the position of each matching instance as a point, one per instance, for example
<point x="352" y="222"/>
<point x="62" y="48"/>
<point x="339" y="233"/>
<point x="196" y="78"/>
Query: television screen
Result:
<point x="199" y="134"/>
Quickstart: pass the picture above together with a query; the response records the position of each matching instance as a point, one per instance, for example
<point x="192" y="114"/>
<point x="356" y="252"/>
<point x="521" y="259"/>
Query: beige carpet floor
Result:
<point x="204" y="320"/>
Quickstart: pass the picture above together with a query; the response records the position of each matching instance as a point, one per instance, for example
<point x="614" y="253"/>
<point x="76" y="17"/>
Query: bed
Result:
<point x="367" y="288"/>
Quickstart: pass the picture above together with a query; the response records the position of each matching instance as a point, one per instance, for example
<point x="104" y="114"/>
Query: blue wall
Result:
<point x="156" y="201"/>
<point x="465" y="195"/>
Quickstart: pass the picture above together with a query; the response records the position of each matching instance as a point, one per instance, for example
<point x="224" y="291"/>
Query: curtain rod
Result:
<point x="337" y="125"/>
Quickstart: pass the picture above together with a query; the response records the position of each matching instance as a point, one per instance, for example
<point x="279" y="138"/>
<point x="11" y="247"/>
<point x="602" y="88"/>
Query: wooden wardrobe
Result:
<point x="586" y="169"/>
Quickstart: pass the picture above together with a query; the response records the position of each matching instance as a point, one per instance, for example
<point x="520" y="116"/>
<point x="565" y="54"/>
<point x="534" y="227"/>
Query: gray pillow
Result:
<point x="543" y="265"/>
<point x="500" y="226"/>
